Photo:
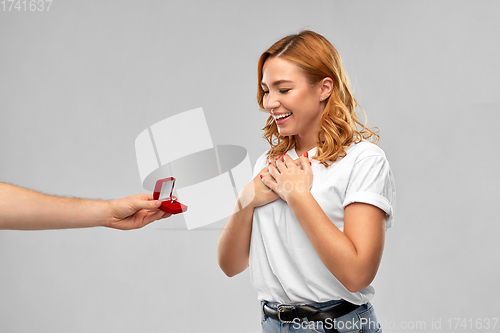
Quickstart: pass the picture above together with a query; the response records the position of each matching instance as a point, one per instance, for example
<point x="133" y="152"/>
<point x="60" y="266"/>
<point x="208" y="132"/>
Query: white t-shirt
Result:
<point x="284" y="266"/>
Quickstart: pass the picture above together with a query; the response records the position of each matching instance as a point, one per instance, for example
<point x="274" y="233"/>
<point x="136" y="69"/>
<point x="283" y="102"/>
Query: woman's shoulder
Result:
<point x="364" y="149"/>
<point x="263" y="157"/>
<point x="261" y="162"/>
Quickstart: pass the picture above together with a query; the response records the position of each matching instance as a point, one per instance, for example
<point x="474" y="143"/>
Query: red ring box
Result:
<point x="169" y="205"/>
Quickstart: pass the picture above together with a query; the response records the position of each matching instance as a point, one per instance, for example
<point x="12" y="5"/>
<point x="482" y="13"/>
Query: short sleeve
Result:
<point x="372" y="182"/>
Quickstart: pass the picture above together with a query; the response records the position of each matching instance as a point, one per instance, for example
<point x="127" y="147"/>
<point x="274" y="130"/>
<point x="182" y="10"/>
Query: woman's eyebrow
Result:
<point x="276" y="83"/>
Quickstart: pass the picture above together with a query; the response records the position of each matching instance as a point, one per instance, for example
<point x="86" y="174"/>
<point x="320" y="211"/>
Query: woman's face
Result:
<point x="294" y="103"/>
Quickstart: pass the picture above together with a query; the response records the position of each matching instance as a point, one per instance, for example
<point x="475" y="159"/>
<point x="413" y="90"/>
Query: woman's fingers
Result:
<point x="289" y="162"/>
<point x="285" y="164"/>
<point x="273" y="170"/>
<point x="286" y="160"/>
<point x="269" y="182"/>
<point x="282" y="163"/>
<point x="304" y="163"/>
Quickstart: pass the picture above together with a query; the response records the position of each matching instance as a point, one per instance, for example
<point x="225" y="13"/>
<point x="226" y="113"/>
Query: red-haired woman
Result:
<point x="311" y="224"/>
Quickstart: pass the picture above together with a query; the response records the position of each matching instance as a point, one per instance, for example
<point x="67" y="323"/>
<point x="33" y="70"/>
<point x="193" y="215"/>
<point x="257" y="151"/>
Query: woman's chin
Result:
<point x="283" y="131"/>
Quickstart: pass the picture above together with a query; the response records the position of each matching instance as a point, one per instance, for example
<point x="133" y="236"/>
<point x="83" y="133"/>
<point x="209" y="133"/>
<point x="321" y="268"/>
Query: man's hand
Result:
<point x="134" y="212"/>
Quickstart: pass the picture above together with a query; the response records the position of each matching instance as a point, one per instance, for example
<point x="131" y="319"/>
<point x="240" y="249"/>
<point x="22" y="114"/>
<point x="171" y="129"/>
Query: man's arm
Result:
<point x="23" y="209"/>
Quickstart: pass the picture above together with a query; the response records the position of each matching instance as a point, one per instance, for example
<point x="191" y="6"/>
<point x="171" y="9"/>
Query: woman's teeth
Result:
<point x="281" y="116"/>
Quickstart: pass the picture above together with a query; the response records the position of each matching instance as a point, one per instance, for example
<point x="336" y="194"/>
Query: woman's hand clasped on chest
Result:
<point x="288" y="178"/>
<point x="255" y="193"/>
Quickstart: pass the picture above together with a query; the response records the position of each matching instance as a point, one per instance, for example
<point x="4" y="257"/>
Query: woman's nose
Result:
<point x="271" y="102"/>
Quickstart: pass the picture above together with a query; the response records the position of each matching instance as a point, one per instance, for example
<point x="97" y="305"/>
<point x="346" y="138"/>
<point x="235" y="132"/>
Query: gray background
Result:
<point x="80" y="82"/>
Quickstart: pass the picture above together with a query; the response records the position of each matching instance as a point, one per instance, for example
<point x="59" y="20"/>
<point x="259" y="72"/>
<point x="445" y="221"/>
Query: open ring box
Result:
<point x="163" y="192"/>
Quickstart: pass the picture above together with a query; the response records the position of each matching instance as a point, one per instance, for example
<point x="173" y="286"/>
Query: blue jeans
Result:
<point x="362" y="319"/>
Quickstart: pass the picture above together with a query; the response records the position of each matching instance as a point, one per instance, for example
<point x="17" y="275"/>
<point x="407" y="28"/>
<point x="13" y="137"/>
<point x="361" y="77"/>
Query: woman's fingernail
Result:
<point x="310" y="163"/>
<point x="306" y="154"/>
<point x="269" y="163"/>
<point x="261" y="177"/>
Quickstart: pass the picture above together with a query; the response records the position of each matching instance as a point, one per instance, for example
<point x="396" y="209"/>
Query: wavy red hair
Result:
<point x="317" y="57"/>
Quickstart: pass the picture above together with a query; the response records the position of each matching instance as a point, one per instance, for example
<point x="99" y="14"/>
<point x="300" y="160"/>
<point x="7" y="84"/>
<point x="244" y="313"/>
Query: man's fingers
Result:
<point x="151" y="217"/>
<point x="144" y="202"/>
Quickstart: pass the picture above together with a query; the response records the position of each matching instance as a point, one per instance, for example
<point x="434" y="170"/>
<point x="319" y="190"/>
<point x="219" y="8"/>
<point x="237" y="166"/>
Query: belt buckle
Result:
<point x="282" y="308"/>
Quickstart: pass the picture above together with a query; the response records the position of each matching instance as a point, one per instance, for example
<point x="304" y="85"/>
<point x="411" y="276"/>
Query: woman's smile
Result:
<point x="293" y="102"/>
<point x="281" y="119"/>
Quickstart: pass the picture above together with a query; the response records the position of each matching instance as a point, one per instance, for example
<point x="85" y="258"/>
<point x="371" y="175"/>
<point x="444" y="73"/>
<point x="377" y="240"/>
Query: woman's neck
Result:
<point x="301" y="145"/>
<point x="306" y="140"/>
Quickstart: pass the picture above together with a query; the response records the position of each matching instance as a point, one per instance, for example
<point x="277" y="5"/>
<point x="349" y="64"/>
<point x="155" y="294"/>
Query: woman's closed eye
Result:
<point x="282" y="91"/>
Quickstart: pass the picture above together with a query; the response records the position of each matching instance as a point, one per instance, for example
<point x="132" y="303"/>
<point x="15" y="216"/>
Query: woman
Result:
<point x="311" y="224"/>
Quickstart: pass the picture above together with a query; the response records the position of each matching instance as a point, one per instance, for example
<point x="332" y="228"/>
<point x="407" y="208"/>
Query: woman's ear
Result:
<point x="326" y="86"/>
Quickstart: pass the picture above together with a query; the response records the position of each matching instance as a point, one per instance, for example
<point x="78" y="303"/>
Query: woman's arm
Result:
<point x="233" y="247"/>
<point x="24" y="209"/>
<point x="354" y="255"/>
